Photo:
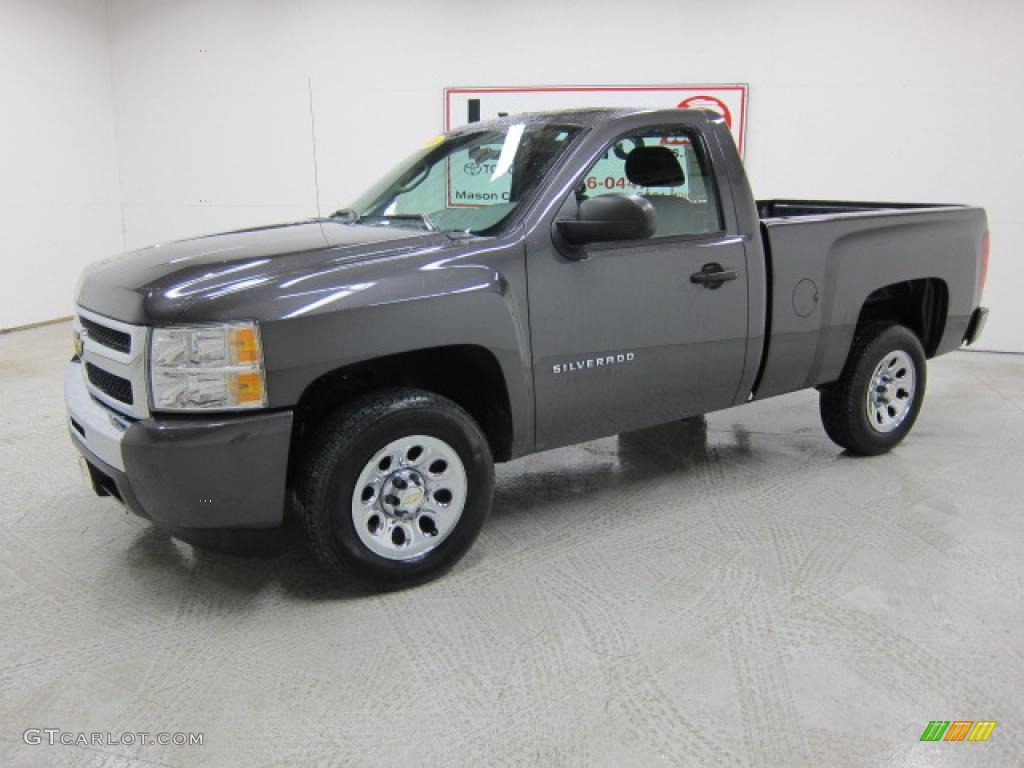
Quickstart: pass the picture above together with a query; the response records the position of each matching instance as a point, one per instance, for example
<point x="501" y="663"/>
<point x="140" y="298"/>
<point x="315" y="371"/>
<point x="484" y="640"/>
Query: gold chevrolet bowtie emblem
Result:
<point x="412" y="497"/>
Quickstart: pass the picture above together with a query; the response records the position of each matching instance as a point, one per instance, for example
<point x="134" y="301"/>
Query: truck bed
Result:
<point x="826" y="260"/>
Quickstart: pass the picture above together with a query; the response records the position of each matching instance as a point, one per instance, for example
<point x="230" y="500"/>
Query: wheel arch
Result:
<point x="922" y="305"/>
<point x="467" y="374"/>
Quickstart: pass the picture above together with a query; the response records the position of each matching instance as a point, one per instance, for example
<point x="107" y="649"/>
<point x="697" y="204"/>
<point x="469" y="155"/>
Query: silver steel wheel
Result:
<point x="409" y="497"/>
<point x="891" y="391"/>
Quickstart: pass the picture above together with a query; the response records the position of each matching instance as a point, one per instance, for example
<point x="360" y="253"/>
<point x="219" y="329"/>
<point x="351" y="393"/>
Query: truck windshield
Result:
<point x="469" y="182"/>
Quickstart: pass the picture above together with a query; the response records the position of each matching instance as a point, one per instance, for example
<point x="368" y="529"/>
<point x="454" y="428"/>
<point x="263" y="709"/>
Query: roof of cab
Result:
<point x="583" y="116"/>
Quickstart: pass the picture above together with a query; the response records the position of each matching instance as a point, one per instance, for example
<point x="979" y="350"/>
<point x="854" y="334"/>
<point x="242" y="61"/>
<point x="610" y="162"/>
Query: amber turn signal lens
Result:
<point x="246" y="345"/>
<point x="248" y="387"/>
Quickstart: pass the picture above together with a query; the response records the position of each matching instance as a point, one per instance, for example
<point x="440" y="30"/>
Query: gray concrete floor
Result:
<point x="739" y="595"/>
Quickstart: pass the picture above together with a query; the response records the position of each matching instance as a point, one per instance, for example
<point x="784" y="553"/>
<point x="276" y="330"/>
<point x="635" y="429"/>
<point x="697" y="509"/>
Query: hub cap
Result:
<point x="891" y="391"/>
<point x="409" y="497"/>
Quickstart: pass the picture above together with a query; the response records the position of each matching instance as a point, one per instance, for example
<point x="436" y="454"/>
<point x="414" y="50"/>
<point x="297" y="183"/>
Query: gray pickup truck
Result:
<point x="512" y="287"/>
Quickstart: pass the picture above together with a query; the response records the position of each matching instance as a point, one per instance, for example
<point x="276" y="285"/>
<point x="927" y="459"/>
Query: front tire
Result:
<point x="397" y="486"/>
<point x="876" y="400"/>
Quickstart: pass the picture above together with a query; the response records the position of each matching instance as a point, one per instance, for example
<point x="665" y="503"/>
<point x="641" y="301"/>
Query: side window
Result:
<point x="669" y="169"/>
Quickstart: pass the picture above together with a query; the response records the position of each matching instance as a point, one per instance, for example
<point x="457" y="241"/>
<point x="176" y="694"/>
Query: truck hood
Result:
<point x="159" y="283"/>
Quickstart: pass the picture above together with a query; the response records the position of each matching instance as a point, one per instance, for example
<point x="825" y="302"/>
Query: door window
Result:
<point x="669" y="169"/>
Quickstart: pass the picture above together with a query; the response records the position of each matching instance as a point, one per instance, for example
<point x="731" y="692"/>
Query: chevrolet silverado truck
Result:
<point x="512" y="287"/>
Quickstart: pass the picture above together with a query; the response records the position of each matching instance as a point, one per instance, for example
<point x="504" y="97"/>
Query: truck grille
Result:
<point x="108" y="337"/>
<point x="113" y="355"/>
<point x="109" y="384"/>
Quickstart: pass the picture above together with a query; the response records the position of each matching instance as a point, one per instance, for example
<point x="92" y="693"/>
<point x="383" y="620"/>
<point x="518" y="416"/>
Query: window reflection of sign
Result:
<point x="471" y="178"/>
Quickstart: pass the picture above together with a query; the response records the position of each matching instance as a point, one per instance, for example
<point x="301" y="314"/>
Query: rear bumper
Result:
<point x="976" y="325"/>
<point x="213" y="473"/>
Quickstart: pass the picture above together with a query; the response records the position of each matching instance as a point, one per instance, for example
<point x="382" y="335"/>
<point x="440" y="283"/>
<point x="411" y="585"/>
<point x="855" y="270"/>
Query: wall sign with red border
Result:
<point x="470" y="105"/>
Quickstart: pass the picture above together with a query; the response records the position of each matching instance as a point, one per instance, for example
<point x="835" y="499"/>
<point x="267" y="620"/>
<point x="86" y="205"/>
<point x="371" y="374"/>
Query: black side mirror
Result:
<point x="609" y="217"/>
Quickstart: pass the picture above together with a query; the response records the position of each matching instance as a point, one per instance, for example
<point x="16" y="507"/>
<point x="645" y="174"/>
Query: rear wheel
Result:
<point x="397" y="488"/>
<point x="876" y="400"/>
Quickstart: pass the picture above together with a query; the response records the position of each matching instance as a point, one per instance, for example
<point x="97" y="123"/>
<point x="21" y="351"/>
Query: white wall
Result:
<point x="876" y="100"/>
<point x="59" y="198"/>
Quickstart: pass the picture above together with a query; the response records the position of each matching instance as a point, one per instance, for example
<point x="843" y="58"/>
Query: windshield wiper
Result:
<point x="418" y="218"/>
<point x="352" y="216"/>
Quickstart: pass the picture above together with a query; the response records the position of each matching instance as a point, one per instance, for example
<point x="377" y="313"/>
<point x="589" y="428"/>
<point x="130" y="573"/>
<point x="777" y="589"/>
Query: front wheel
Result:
<point x="876" y="400"/>
<point x="397" y="487"/>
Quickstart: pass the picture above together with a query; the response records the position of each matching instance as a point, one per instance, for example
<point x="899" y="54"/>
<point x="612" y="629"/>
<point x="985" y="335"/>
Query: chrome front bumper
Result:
<point x="100" y="429"/>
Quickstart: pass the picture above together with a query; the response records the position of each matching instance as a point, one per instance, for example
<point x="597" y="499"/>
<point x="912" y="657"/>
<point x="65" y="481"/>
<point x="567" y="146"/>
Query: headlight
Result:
<point x="207" y="367"/>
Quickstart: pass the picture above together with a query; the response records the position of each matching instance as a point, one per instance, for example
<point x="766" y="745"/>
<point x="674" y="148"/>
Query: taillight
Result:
<point x="984" y="263"/>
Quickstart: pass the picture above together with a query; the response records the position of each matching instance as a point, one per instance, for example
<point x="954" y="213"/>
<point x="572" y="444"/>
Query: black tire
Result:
<point x="341" y="449"/>
<point x="844" y="408"/>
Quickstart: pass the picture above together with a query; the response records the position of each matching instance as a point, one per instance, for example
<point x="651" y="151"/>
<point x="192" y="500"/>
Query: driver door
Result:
<point x="637" y="333"/>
